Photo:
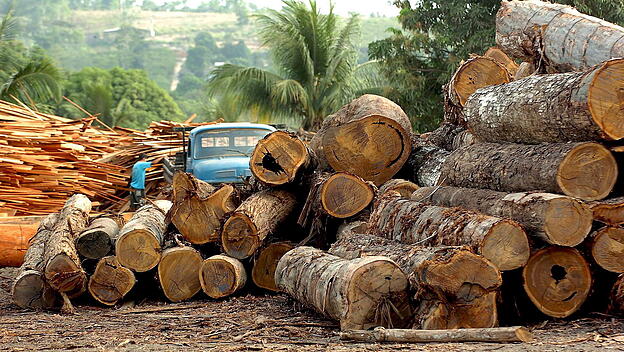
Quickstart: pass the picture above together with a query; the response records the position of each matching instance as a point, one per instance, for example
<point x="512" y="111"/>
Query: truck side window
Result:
<point x="188" y="149"/>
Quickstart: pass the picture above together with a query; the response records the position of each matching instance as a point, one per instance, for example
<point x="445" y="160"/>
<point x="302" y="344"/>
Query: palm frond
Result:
<point x="36" y="81"/>
<point x="8" y="27"/>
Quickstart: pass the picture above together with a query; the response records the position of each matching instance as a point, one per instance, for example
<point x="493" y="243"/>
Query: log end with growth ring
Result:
<point x="606" y="98"/>
<point x="607" y="249"/>
<point x="111" y="281"/>
<point x="476" y="73"/>
<point x="138" y="250"/>
<point x="588" y="171"/>
<point x="221" y="276"/>
<point x="373" y="147"/>
<point x="94" y="244"/>
<point x="64" y="275"/>
<point x="178" y="273"/>
<point x="506" y="245"/>
<point x="240" y="236"/>
<point x="482" y="312"/>
<point x="31" y="291"/>
<point x="557" y="280"/>
<point x="278" y="157"/>
<point x="609" y="211"/>
<point x="344" y="195"/>
<point x="263" y="272"/>
<point x="567" y="221"/>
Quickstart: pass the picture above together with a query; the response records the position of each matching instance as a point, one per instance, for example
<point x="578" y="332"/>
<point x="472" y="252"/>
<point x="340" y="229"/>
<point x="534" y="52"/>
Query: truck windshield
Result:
<point x="227" y="142"/>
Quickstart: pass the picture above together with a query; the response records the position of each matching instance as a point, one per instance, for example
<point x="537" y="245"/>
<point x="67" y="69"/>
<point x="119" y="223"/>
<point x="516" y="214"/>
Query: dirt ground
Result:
<point x="245" y="323"/>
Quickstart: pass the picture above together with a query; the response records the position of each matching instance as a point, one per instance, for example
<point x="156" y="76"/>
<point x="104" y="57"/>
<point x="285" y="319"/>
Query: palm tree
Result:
<point x="36" y="81"/>
<point x="316" y="62"/>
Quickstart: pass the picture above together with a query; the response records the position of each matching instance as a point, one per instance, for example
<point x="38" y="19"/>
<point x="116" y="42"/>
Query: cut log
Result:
<point x="525" y="69"/>
<point x="557" y="35"/>
<point x="616" y="299"/>
<point x="96" y="241"/>
<point x="15" y="235"/>
<point x="609" y="211"/>
<point x="199" y="208"/>
<point x="564" y="107"/>
<point x="63" y="270"/>
<point x="502" y="241"/>
<point x="139" y="244"/>
<point x="607" y="248"/>
<point x="263" y="272"/>
<point x="110" y="282"/>
<point x="30" y="289"/>
<point x="581" y="170"/>
<point x="554" y="218"/>
<point x="404" y="187"/>
<point x="500" y="56"/>
<point x="369" y="137"/>
<point x="506" y="334"/>
<point x="178" y="273"/>
<point x="279" y="158"/>
<point x="360" y="293"/>
<point x="257" y="217"/>
<point x="343" y="195"/>
<point x="557" y="280"/>
<point x="221" y="276"/>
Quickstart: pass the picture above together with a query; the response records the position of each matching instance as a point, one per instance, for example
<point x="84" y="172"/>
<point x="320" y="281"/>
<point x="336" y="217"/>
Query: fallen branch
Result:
<point x="507" y="334"/>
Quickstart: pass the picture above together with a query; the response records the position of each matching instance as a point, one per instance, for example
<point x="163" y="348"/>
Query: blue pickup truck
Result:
<point x="217" y="153"/>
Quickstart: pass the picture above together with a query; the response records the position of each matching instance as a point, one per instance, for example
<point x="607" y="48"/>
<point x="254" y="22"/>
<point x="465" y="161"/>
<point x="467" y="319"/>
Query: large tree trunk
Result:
<point x="502" y="241"/>
<point x="369" y="137"/>
<point x="581" y="170"/>
<point x="557" y="35"/>
<point x="557" y="280"/>
<point x="178" y="273"/>
<point x="257" y="217"/>
<point x="110" y="282"/>
<point x="554" y="218"/>
<point x="279" y="158"/>
<point x="263" y="272"/>
<point x="199" y="208"/>
<point x="506" y="334"/>
<point x="564" y="107"/>
<point x="607" y="248"/>
<point x="30" y="290"/>
<point x="96" y="241"/>
<point x="221" y="276"/>
<point x="140" y="241"/>
<point x="360" y="293"/>
<point x="63" y="270"/>
<point x="609" y="211"/>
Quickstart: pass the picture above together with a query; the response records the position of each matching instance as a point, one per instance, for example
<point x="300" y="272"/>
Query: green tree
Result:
<point x="316" y="67"/>
<point x="436" y="36"/>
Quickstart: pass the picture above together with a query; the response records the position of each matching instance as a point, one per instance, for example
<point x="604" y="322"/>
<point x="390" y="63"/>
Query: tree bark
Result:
<point x="502" y="241"/>
<point x="425" y="162"/>
<point x="582" y="170"/>
<point x="199" y="208"/>
<point x="110" y="282"/>
<point x="96" y="241"/>
<point x="139" y="244"/>
<point x="263" y="272"/>
<point x="369" y="137"/>
<point x="30" y="290"/>
<point x="556" y="35"/>
<point x="609" y="211"/>
<point x="404" y="187"/>
<point x="63" y="270"/>
<point x="254" y="219"/>
<point x="449" y="137"/>
<point x="554" y="218"/>
<point x="557" y="280"/>
<point x="506" y="334"/>
<point x="607" y="248"/>
<point x="280" y="158"/>
<point x="360" y="293"/>
<point x="178" y="273"/>
<point x="564" y="107"/>
<point x="221" y="276"/>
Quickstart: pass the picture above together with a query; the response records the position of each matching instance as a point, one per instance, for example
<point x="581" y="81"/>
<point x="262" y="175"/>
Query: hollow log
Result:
<point x="30" y="290"/>
<point x="360" y="293"/>
<point x="554" y="218"/>
<point x="607" y="248"/>
<point x="257" y="217"/>
<point x="582" y="170"/>
<point x="404" y="187"/>
<point x="609" y="211"/>
<point x="139" y="244"/>
<point x="263" y="272"/>
<point x="63" y="270"/>
<point x="178" y="273"/>
<point x="369" y="137"/>
<point x="557" y="35"/>
<point x="506" y="334"/>
<point x="502" y="241"/>
<point x="96" y="241"/>
<point x="199" y="208"/>
<point x="279" y="158"/>
<point x="564" y="107"/>
<point x="110" y="282"/>
<point x="221" y="276"/>
<point x="557" y="280"/>
<point x="500" y="56"/>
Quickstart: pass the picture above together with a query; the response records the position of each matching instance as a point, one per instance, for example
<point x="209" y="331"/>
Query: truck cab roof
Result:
<point x="228" y="125"/>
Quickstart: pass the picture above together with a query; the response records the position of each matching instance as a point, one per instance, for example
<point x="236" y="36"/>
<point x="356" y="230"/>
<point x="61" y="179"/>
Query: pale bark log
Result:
<point x="97" y="240"/>
<point x="506" y="334"/>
